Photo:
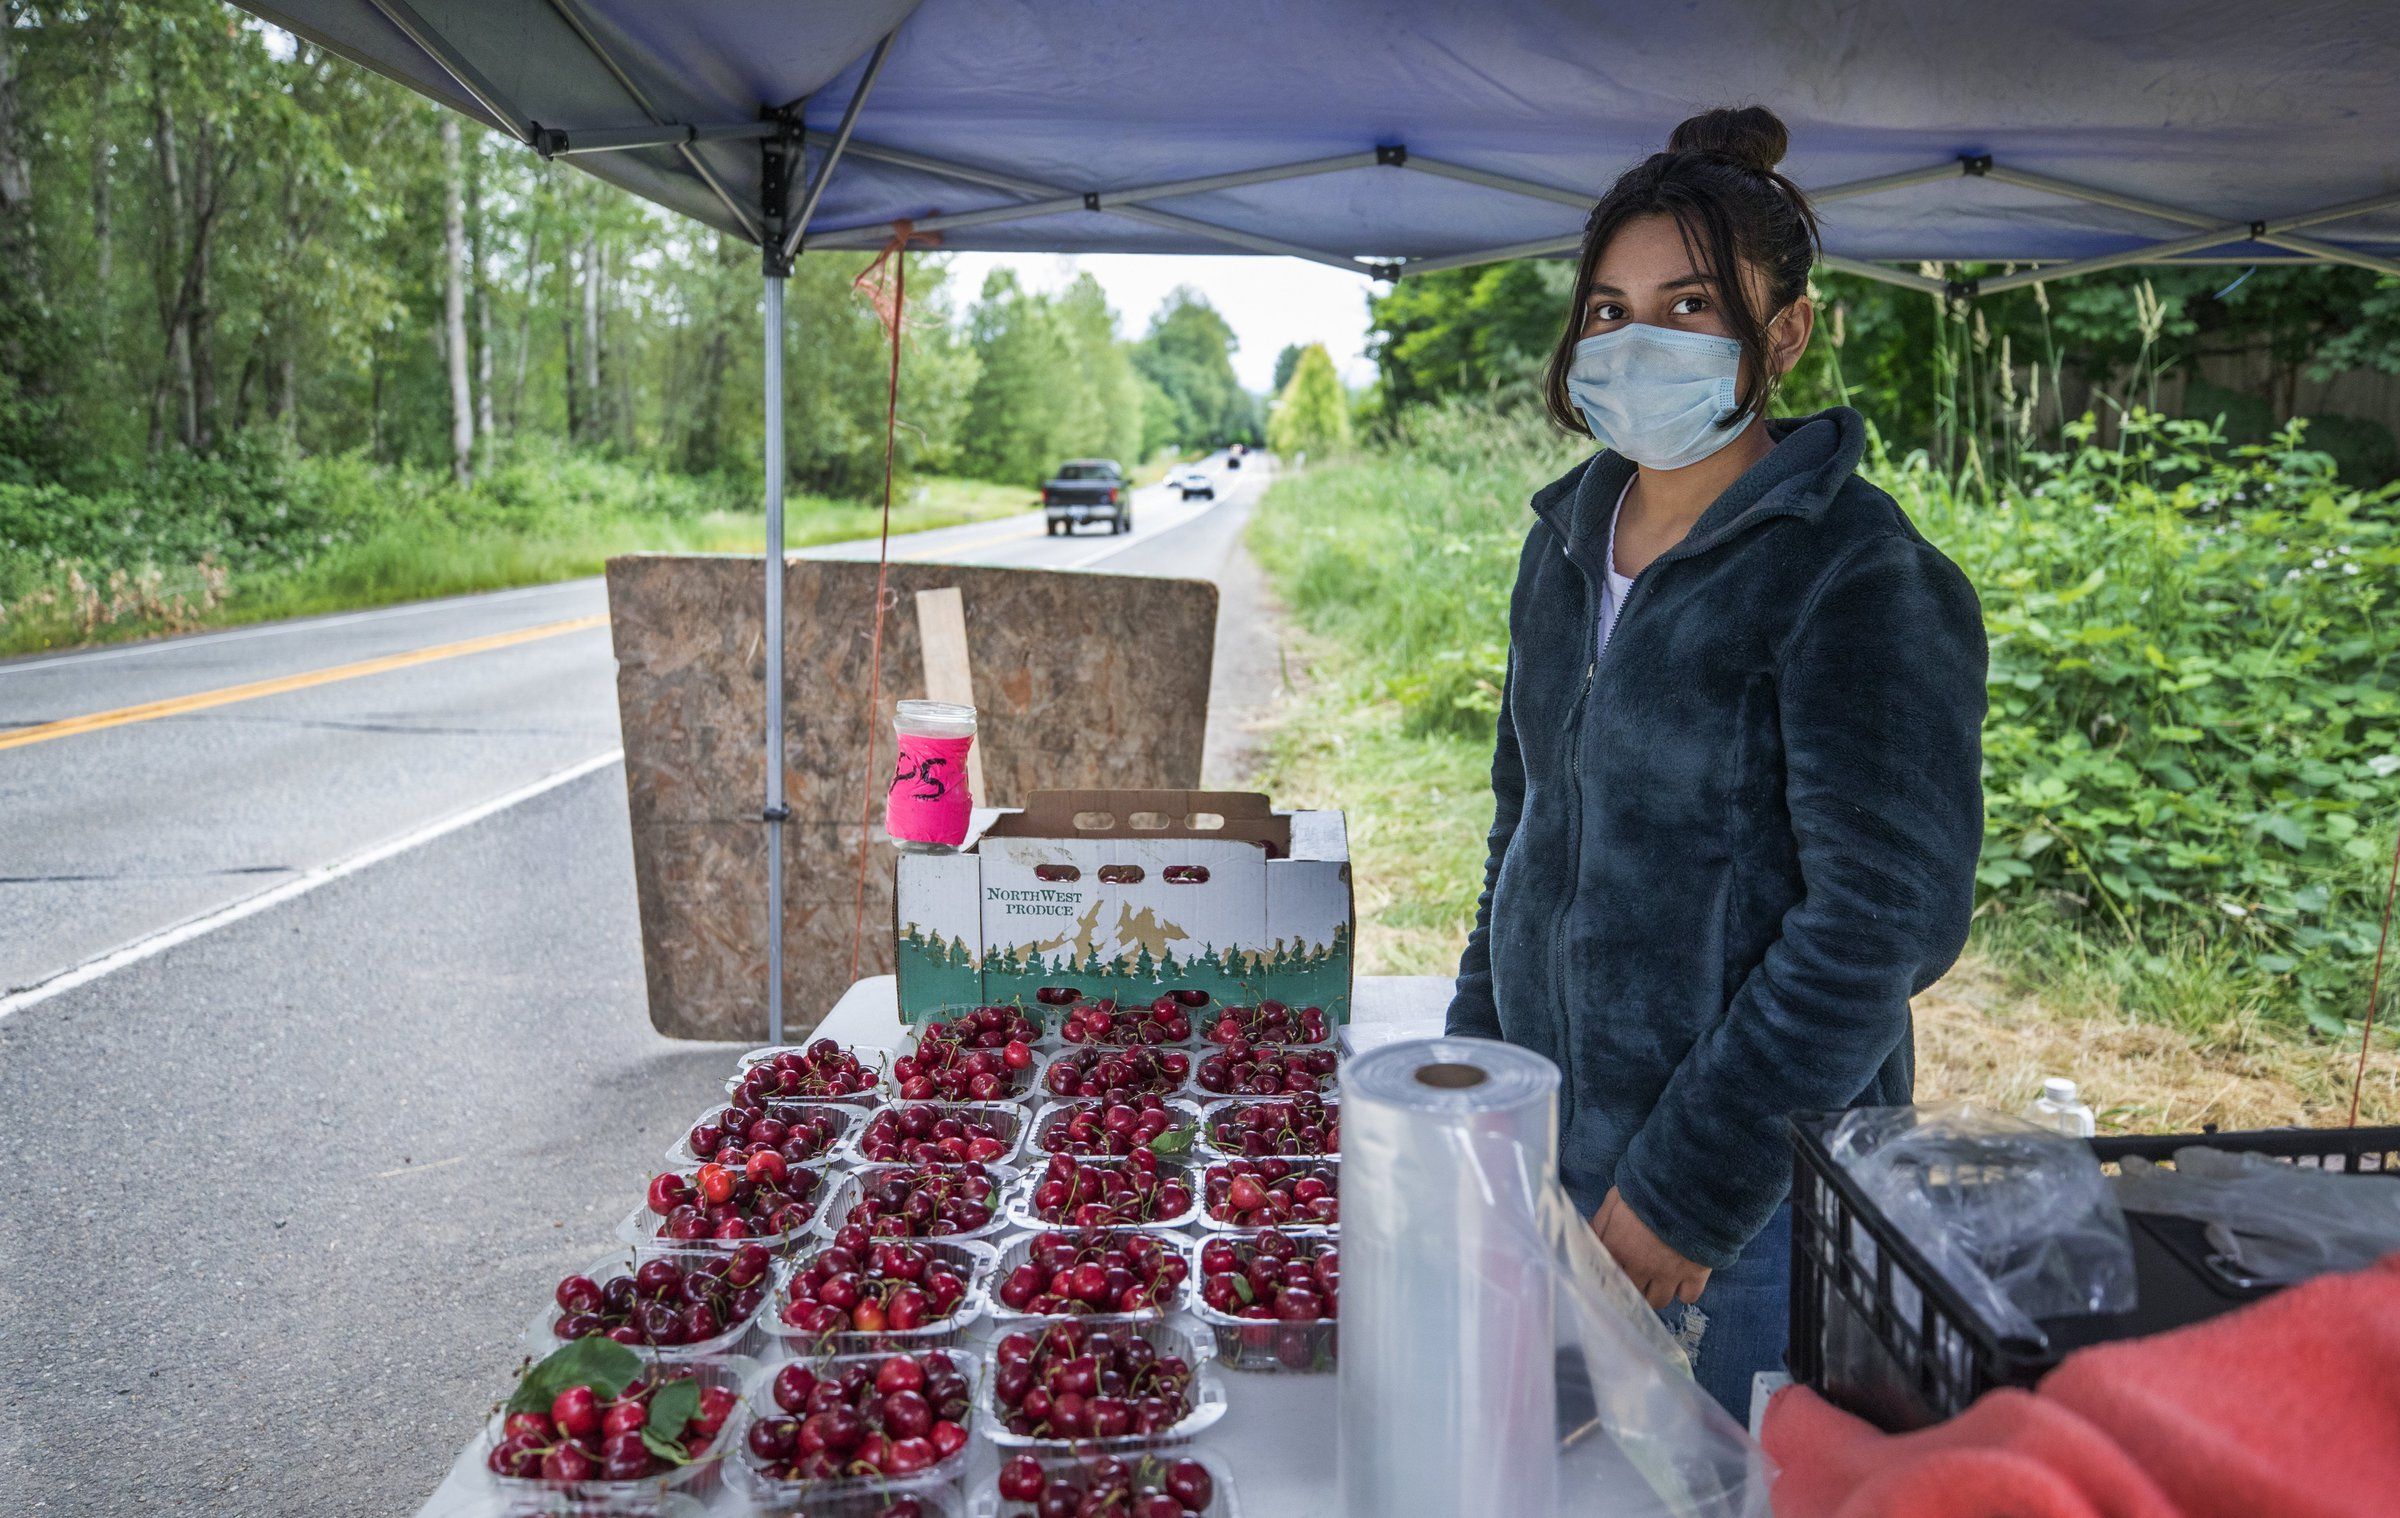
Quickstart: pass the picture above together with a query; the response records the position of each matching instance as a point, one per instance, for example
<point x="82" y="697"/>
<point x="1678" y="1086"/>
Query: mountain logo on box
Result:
<point x="940" y="970"/>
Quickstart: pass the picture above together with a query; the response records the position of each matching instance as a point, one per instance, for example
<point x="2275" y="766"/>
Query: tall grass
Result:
<point x="2194" y="741"/>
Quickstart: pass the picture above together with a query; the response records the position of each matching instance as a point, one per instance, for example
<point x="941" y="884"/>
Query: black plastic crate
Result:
<point x="1877" y="1331"/>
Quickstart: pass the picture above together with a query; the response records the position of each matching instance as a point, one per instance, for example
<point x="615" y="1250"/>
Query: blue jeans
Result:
<point x="1743" y="1319"/>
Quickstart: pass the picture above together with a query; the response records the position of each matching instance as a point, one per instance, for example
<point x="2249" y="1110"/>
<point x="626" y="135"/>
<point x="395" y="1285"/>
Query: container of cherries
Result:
<point x="964" y="1060"/>
<point x="597" y="1421"/>
<point x="1104" y="1129"/>
<point x="919" y="1201"/>
<point x="895" y="1294"/>
<point x="803" y="1132"/>
<point x="1270" y="1022"/>
<point x="1271" y="1193"/>
<point x="1239" y="1127"/>
<point x="1247" y="1069"/>
<point x="1170" y="1484"/>
<point x="1166" y="1020"/>
<point x="935" y="1133"/>
<point x="1271" y="1298"/>
<point x="1066" y="1386"/>
<point x="1140" y="1191"/>
<point x="680" y="1302"/>
<point x="1093" y="1073"/>
<point x="825" y="1429"/>
<point x="1097" y="1274"/>
<point x="765" y="1200"/>
<point x="822" y="1071"/>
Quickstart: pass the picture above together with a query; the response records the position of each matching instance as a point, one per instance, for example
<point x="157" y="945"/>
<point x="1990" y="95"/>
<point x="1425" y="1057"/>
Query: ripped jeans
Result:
<point x="1743" y="1318"/>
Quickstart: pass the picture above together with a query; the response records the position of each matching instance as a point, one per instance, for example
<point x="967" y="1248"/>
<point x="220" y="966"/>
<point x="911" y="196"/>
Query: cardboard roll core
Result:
<point x="1452" y="1076"/>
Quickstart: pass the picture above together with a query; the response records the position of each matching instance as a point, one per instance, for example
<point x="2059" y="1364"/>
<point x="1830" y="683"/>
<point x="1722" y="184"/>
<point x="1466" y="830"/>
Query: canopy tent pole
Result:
<point x="776" y="812"/>
<point x="454" y="64"/>
<point x="1035" y="190"/>
<point x="833" y="153"/>
<point x="556" y="142"/>
<point x="572" y="14"/>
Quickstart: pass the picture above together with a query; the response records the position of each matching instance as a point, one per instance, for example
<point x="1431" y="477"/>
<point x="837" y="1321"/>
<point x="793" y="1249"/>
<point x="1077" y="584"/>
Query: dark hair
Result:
<point x="1717" y="179"/>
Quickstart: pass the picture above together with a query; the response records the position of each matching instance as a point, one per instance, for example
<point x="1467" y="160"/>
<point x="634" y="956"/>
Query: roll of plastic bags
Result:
<point x="1495" y="1361"/>
<point x="2273" y="1221"/>
<point x="2018" y="1218"/>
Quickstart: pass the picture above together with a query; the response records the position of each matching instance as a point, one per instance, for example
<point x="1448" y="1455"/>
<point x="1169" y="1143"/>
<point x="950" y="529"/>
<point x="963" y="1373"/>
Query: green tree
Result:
<point x="1285" y="362"/>
<point x="1188" y="355"/>
<point x="1312" y="414"/>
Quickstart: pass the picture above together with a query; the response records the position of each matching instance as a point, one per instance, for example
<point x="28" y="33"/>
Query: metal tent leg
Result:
<point x="776" y="812"/>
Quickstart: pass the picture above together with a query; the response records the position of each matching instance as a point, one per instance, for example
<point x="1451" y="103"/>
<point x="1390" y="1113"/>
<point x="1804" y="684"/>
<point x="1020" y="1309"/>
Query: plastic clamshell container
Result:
<point x="699" y="1480"/>
<point x="556" y="1505"/>
<point x="860" y="1181"/>
<point x="1022" y="1215"/>
<point x="1023" y="1085"/>
<point x="1222" y="1502"/>
<point x="850" y="1118"/>
<point x="1058" y="1109"/>
<point x="1327" y="1085"/>
<point x="1041" y="1074"/>
<point x="874" y="1095"/>
<point x="758" y="1400"/>
<point x="1019" y="1251"/>
<point x="876" y="1502"/>
<point x="1207" y="1032"/>
<point x="973" y="1259"/>
<point x="1212" y="1108"/>
<point x="1260" y="1345"/>
<point x="1044" y="1018"/>
<point x="1330" y="1168"/>
<point x="641" y="1226"/>
<point x="1008" y="1116"/>
<point x="540" y="1336"/>
<point x="1191" y="1014"/>
<point x="1205" y="1406"/>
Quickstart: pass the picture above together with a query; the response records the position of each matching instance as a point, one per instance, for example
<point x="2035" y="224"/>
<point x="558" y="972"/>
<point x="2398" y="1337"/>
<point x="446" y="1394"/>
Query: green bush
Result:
<point x="2195" y="684"/>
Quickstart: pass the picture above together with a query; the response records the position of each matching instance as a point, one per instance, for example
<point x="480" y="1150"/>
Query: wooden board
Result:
<point x="1079" y="680"/>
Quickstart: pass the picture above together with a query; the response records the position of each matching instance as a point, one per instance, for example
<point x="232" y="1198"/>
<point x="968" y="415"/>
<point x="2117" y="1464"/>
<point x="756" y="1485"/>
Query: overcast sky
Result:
<point x="1267" y="301"/>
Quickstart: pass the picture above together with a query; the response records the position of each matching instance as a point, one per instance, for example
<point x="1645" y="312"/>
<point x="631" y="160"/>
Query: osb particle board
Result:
<point x="1081" y="680"/>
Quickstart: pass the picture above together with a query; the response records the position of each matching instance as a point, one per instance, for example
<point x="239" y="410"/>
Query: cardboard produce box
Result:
<point x="1127" y="894"/>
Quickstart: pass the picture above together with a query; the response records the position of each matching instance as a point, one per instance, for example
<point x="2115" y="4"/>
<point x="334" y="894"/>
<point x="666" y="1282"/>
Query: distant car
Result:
<point x="1197" y="486"/>
<point x="1233" y="457"/>
<point x="1087" y="490"/>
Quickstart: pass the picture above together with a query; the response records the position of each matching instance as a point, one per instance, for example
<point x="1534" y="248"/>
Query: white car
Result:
<point x="1197" y="486"/>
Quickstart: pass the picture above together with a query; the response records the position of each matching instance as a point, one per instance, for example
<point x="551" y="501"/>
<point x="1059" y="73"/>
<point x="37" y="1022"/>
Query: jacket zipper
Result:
<point x="1558" y="935"/>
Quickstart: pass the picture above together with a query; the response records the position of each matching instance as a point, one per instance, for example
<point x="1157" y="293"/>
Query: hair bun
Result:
<point x="1750" y="135"/>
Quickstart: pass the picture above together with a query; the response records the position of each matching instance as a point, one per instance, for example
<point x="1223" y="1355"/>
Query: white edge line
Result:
<point x="294" y="624"/>
<point x="300" y="885"/>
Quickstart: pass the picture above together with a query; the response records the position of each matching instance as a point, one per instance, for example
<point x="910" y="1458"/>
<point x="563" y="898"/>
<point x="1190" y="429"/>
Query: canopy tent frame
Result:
<point x="779" y="224"/>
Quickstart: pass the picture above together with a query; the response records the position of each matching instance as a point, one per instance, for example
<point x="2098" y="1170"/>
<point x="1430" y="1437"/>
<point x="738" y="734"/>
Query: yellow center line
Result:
<point x="173" y="706"/>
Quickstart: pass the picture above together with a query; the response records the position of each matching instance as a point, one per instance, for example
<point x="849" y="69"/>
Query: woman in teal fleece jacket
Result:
<point x="1738" y="774"/>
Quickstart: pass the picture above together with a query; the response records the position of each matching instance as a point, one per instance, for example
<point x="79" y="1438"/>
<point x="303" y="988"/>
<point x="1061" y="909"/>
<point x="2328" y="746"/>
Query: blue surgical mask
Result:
<point x="1657" y="396"/>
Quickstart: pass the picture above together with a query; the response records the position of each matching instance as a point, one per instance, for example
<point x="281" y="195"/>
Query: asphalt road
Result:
<point x="322" y="1043"/>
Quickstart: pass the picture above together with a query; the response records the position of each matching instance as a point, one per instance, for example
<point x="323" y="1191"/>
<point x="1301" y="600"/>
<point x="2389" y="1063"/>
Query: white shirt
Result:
<point x="1613" y="585"/>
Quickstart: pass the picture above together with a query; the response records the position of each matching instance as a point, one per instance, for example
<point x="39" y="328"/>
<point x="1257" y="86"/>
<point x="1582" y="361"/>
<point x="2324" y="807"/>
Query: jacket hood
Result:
<point x="1812" y="458"/>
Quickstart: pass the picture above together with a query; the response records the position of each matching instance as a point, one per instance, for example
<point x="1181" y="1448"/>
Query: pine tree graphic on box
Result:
<point x="942" y="972"/>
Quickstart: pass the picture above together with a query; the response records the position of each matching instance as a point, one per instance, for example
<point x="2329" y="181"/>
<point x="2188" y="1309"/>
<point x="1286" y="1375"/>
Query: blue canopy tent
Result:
<point x="1391" y="137"/>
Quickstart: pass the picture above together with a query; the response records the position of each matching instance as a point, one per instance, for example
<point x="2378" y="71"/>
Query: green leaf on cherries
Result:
<point x="600" y="1363"/>
<point x="1241" y="1288"/>
<point x="671" y="1407"/>
<point x="1174" y="1141"/>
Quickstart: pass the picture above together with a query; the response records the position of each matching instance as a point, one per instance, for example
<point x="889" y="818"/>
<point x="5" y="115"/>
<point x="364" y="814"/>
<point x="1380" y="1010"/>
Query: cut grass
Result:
<point x="414" y="561"/>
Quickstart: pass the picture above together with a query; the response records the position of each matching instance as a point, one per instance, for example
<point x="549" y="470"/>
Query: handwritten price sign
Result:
<point x="928" y="801"/>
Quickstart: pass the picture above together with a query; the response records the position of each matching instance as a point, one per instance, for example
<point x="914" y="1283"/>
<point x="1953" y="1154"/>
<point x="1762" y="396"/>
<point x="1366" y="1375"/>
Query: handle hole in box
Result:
<point x="1205" y="822"/>
<point x="1150" y="822"/>
<point x="1056" y="872"/>
<point x="1185" y="874"/>
<point x="1095" y="822"/>
<point x="1121" y="874"/>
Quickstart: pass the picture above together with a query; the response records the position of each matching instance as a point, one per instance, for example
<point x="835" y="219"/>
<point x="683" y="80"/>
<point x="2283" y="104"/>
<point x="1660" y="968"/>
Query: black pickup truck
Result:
<point x="1088" y="490"/>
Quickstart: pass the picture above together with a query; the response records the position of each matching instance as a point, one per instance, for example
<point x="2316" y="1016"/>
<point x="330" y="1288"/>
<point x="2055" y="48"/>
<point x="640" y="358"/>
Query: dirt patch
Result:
<point x="1978" y="1039"/>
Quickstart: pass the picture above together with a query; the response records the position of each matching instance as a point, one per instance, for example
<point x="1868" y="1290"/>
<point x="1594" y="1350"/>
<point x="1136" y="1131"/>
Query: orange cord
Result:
<point x="2366" y="1039"/>
<point x="885" y="284"/>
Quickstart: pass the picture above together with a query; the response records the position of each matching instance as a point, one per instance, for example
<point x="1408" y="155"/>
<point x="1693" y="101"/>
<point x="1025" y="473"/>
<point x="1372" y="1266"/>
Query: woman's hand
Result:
<point x="1658" y="1272"/>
